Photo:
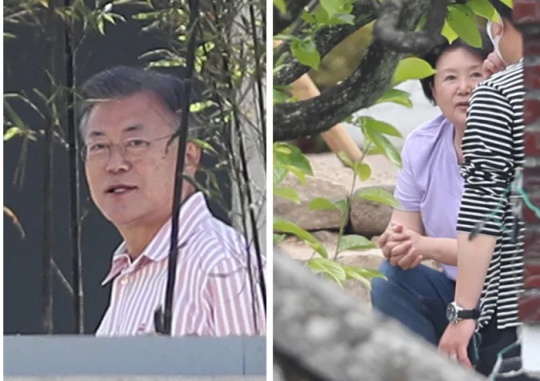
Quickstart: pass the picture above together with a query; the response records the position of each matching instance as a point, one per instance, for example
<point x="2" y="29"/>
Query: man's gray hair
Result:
<point x="124" y="81"/>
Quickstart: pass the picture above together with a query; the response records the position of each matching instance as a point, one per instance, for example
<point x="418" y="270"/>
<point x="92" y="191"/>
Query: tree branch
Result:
<point x="294" y="9"/>
<point x="322" y="334"/>
<point x="326" y="39"/>
<point x="368" y="82"/>
<point x="386" y="28"/>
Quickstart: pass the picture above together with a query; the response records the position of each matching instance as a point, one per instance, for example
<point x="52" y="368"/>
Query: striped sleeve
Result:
<point x="488" y="162"/>
<point x="235" y="300"/>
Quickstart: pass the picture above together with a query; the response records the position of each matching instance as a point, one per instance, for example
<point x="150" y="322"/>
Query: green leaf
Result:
<point x="448" y="32"/>
<point x="412" y="68"/>
<point x="353" y="275"/>
<point x="12" y="132"/>
<point x="509" y="3"/>
<point x="385" y="146"/>
<point x="332" y="6"/>
<point x="308" y="17"/>
<point x="377" y="195"/>
<point x="321" y="203"/>
<point x="461" y="19"/>
<point x="279" y="174"/>
<point x="371" y="124"/>
<point x="483" y="8"/>
<point x="363" y="171"/>
<point x="285" y="226"/>
<point x="297" y="172"/>
<point x="343" y="206"/>
<point x="295" y="157"/>
<point x="280" y="96"/>
<point x="342" y="18"/>
<point x="305" y="51"/>
<point x="396" y="96"/>
<point x="281" y="6"/>
<point x="328" y="267"/>
<point x="278" y="238"/>
<point x="287" y="194"/>
<point x="345" y="159"/>
<point x="354" y="242"/>
<point x="363" y="275"/>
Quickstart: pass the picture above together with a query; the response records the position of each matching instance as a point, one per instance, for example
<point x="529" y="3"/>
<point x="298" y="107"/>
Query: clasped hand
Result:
<point x="400" y="246"/>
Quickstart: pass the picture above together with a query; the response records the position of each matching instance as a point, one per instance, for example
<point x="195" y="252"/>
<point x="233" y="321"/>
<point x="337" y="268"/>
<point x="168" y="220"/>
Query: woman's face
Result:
<point x="458" y="72"/>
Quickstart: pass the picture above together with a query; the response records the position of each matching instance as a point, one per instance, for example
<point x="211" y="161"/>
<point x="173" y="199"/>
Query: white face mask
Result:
<point x="495" y="40"/>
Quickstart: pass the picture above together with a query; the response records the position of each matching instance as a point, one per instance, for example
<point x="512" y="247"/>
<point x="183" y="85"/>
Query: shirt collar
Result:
<point x="193" y="211"/>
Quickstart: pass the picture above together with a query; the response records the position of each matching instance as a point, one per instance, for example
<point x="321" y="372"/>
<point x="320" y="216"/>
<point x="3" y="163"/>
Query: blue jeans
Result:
<point x="417" y="298"/>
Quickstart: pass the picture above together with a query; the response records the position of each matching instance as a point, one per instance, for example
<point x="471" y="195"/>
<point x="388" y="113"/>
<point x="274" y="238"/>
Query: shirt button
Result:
<point x="124" y="281"/>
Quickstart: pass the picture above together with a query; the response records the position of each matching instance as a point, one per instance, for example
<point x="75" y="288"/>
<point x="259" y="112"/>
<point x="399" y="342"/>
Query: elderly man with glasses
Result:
<point x="129" y="119"/>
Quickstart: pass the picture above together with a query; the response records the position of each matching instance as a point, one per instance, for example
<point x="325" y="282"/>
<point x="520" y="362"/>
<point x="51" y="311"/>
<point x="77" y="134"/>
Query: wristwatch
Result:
<point x="455" y="313"/>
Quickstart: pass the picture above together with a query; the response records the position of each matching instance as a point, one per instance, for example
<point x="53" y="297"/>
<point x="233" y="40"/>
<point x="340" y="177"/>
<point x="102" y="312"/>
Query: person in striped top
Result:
<point x="490" y="247"/>
<point x="129" y="117"/>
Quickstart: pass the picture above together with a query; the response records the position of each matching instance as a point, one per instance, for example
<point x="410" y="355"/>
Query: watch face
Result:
<point x="451" y="312"/>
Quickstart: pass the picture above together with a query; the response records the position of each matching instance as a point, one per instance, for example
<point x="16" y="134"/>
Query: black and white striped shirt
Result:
<point x="493" y="153"/>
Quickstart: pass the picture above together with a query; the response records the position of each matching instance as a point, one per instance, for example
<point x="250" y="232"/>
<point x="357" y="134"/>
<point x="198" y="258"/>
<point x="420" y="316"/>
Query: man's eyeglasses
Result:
<point x="131" y="149"/>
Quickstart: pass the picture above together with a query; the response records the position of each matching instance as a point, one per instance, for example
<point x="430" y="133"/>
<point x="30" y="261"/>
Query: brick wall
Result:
<point x="527" y="17"/>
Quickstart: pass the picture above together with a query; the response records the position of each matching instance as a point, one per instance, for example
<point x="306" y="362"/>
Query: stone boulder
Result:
<point x="369" y="218"/>
<point x="331" y="180"/>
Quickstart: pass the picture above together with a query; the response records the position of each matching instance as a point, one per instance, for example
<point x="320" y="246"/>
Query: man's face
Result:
<point x="129" y="162"/>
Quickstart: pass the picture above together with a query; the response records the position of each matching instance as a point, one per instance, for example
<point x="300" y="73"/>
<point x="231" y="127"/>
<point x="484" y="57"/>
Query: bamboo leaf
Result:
<point x="8" y="212"/>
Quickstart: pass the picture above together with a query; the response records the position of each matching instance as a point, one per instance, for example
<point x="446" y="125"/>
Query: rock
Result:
<point x="331" y="180"/>
<point x="300" y="213"/>
<point x="370" y="218"/>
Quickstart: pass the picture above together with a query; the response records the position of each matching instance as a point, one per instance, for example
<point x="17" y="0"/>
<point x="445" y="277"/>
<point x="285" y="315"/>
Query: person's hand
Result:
<point x="404" y="248"/>
<point x="455" y="340"/>
<point x="492" y="64"/>
<point x="387" y="241"/>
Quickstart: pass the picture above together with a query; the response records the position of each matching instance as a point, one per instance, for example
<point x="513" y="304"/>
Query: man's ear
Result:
<point x="193" y="155"/>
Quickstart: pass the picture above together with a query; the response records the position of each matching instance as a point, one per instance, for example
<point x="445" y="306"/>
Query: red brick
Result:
<point x="529" y="308"/>
<point x="532" y="111"/>
<point x="531" y="177"/>
<point x="526" y="11"/>
<point x="531" y="76"/>
<point x="531" y="243"/>
<point x="531" y="46"/>
<point x="531" y="275"/>
<point x="532" y="142"/>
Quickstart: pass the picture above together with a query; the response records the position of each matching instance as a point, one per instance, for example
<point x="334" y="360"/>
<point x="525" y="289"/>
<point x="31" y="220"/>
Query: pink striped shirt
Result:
<point x="213" y="294"/>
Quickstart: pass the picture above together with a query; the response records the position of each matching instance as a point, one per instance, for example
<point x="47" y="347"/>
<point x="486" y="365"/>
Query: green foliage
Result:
<point x="412" y="68"/>
<point x="289" y="159"/>
<point x="460" y="22"/>
<point x="460" y="19"/>
<point x="306" y="52"/>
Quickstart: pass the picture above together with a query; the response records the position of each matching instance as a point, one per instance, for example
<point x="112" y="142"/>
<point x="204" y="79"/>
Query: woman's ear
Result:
<point x="433" y="94"/>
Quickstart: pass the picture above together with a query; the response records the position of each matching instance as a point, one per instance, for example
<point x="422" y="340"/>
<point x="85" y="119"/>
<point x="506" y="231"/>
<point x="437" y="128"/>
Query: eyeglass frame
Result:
<point x="122" y="147"/>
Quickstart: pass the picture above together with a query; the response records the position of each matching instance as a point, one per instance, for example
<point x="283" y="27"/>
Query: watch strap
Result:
<point x="468" y="314"/>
